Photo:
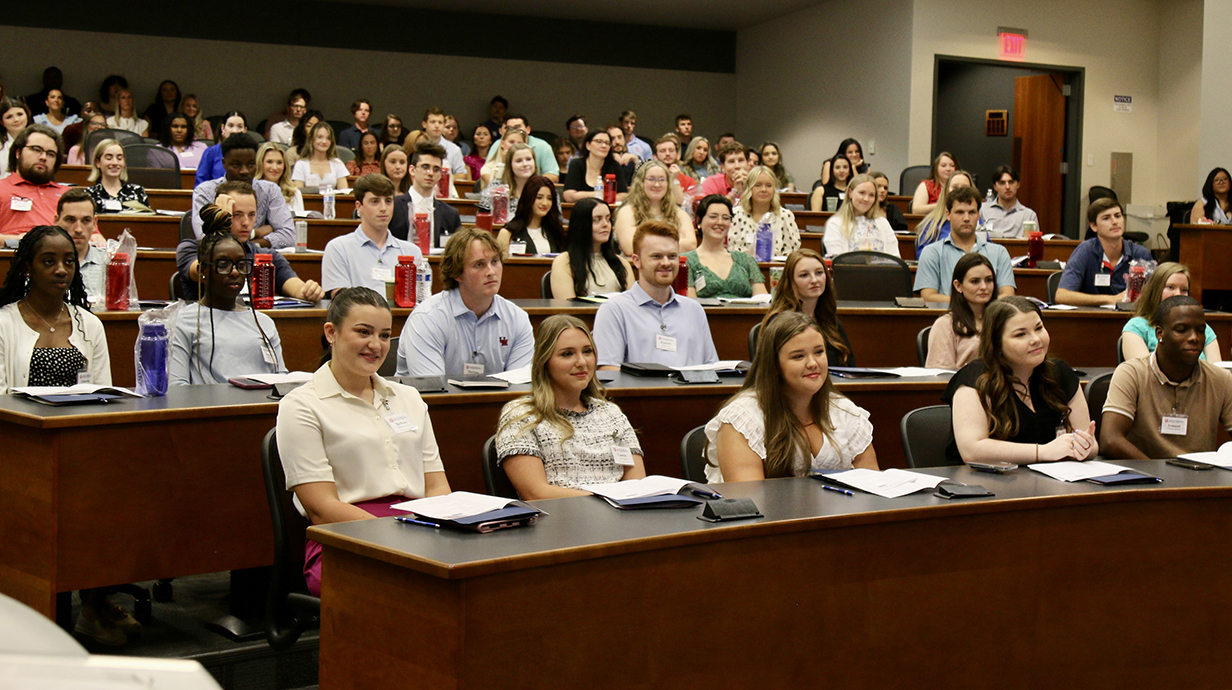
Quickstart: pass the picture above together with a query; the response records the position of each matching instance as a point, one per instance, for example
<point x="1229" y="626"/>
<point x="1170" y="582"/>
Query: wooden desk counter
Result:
<point x="78" y="175"/>
<point x="1206" y="249"/>
<point x="867" y="575"/>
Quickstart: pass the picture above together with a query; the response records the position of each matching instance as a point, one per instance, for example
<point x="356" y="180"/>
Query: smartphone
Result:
<point x="1189" y="464"/>
<point x="997" y="467"/>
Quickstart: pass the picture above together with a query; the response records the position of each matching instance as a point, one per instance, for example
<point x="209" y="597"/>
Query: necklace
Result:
<point x="50" y="327"/>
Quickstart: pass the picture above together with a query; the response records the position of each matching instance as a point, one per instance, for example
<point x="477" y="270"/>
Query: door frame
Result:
<point x="1075" y="78"/>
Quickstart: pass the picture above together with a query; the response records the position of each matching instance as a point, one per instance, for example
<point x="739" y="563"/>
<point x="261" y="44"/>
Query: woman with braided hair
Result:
<point x="48" y="337"/>
<point x="216" y="341"/>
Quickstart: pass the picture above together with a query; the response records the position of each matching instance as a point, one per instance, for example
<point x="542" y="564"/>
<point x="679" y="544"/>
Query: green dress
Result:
<point x="739" y="282"/>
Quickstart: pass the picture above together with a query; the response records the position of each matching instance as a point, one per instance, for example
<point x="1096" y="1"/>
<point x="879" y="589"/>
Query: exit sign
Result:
<point x="1013" y="43"/>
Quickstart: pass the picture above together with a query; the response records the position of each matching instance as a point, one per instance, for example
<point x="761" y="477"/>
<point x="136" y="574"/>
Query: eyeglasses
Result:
<point x="42" y="152"/>
<point x="223" y="266"/>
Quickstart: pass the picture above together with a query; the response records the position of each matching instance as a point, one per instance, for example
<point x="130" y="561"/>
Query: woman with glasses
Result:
<point x="594" y="161"/>
<point x="650" y="198"/>
<point x="714" y="270"/>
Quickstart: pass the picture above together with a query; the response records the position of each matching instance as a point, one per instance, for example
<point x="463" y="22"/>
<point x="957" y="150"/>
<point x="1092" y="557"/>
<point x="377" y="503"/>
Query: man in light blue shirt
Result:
<point x="650" y="323"/>
<point x="467" y="329"/>
<point x="275" y="223"/>
<point x="368" y="256"/>
<point x="639" y="148"/>
<point x="76" y="213"/>
<point x="933" y="276"/>
<point x="433" y="125"/>
<point x="545" y="158"/>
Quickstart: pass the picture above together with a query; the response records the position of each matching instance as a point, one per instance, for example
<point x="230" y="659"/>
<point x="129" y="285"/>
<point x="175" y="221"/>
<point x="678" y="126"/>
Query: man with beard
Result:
<point x="28" y="197"/>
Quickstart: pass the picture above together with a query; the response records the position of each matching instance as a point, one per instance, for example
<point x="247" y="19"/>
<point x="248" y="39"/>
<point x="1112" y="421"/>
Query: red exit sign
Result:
<point x="1013" y="44"/>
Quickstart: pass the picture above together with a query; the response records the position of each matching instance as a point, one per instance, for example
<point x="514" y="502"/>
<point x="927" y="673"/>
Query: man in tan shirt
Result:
<point x="1170" y="402"/>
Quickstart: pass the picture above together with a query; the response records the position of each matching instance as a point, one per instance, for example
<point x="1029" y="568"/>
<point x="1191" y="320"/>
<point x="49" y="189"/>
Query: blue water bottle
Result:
<point x="765" y="242"/>
<point x="153" y="343"/>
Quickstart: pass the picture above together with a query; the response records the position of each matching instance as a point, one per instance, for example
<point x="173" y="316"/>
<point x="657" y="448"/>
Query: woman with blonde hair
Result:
<point x="650" y="198"/>
<point x="1138" y="337"/>
<point x="520" y="166"/>
<point x="319" y="165"/>
<point x="110" y="175"/>
<point x="201" y="126"/>
<point x="807" y="286"/>
<point x="698" y="163"/>
<point x="272" y="167"/>
<point x="489" y="169"/>
<point x="935" y="226"/>
<point x="788" y="419"/>
<point x="856" y="227"/>
<point x="566" y="433"/>
<point x="928" y="193"/>
<point x="761" y="198"/>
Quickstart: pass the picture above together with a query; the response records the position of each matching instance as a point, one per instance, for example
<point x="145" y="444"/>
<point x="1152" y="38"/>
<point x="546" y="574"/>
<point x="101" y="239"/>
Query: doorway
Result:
<point x="990" y="113"/>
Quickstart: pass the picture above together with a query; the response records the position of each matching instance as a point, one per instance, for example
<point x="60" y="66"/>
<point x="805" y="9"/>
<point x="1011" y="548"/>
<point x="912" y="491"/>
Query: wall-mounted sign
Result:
<point x="1123" y="104"/>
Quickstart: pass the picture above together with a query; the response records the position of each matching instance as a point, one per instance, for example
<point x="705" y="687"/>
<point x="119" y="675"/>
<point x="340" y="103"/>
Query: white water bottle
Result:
<point x="423" y="281"/>
<point x="327" y="201"/>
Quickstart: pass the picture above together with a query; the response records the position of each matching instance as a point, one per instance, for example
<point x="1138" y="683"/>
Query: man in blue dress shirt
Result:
<point x="367" y="257"/>
<point x="933" y="275"/>
<point x="650" y="323"/>
<point x="467" y="329"/>
<point x="1095" y="273"/>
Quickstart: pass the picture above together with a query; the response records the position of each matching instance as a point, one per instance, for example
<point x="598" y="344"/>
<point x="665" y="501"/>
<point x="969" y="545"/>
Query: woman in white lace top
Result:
<point x="565" y="434"/>
<point x="788" y="418"/>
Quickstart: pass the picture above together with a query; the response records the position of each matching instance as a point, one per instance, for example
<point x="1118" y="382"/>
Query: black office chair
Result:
<point x="216" y="126"/>
<point x="186" y="228"/>
<point x="289" y="608"/>
<point x="911" y="177"/>
<point x="921" y="344"/>
<point x="152" y="166"/>
<point x="1054" y="281"/>
<point x="1096" y="393"/>
<point x="926" y="432"/>
<point x="545" y="286"/>
<point x="1120" y="349"/>
<point x="390" y="366"/>
<point x="754" y="333"/>
<point x="175" y="290"/>
<point x="123" y="136"/>
<point x="871" y="276"/>
<point x="494" y="478"/>
<point x="693" y="455"/>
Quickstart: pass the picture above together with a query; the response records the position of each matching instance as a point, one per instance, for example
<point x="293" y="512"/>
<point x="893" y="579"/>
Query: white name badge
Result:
<point x="268" y="354"/>
<point x="112" y="205"/>
<point x="383" y="274"/>
<point x="400" y="423"/>
<point x="622" y="456"/>
<point x="1174" y="424"/>
<point x="665" y="342"/>
<point x="20" y="204"/>
<point x="1103" y="279"/>
<point x="517" y="247"/>
<point x="472" y="369"/>
<point x="699" y="283"/>
<point x="83" y="378"/>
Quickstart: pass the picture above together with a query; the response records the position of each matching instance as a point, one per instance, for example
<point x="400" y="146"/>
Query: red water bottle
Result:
<point x="1035" y="248"/>
<point x="1135" y="282"/>
<point x="500" y="204"/>
<point x="483" y="220"/>
<point x="609" y="189"/>
<point x="262" y="288"/>
<point x="404" y="282"/>
<point x="423" y="232"/>
<point x="681" y="284"/>
<point x="442" y="185"/>
<point x="118" y="278"/>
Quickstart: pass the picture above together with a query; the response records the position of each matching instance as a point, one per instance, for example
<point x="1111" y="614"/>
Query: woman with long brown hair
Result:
<point x="788" y="418"/>
<point x="1015" y="403"/>
<point x="807" y="286"/>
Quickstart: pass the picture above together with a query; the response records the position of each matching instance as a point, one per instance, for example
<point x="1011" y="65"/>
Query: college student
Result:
<point x="714" y="270"/>
<point x="932" y="276"/>
<point x="217" y="340"/>
<point x="545" y="159"/>
<point x="788" y="418"/>
<point x="272" y="167"/>
<point x="928" y="192"/>
<point x="211" y="166"/>
<point x="367" y="156"/>
<point x="954" y="339"/>
<point x="759" y="202"/>
<point x="108" y="172"/>
<point x="55" y="116"/>
<point x="935" y="226"/>
<point x="393" y="131"/>
<point x="126" y="117"/>
<point x="735" y="169"/>
<point x="590" y="265"/>
<point x="427" y="161"/>
<point x="15" y="117"/>
<point x="772" y="157"/>
<point x="650" y="198"/>
<point x="361" y="112"/>
<point x="201" y="126"/>
<point x="840" y="179"/>
<point x="593" y="164"/>
<point x="1004" y="216"/>
<point x="319" y="166"/>
<point x="1096" y="270"/>
<point x="1171" y="402"/>
<point x="177" y="134"/>
<point x="433" y="130"/>
<point x="394" y="165"/>
<point x="538" y="226"/>
<point x="77" y="213"/>
<point x="650" y="323"/>
<point x="850" y="150"/>
<point x="297" y="106"/>
<point x="482" y="144"/>
<point x="368" y="256"/>
<point x="519" y="162"/>
<point x="697" y="161"/>
<point x="1138" y="336"/>
<point x="566" y="434"/>
<point x="77" y="152"/>
<point x="807" y="286"/>
<point x="1011" y="404"/>
<point x="275" y="225"/>
<point x="856" y="226"/>
<point x="891" y="212"/>
<point x="467" y="329"/>
<point x="28" y="196"/>
<point x="639" y="148"/>
<point x="339" y="434"/>
<point x="1215" y="206"/>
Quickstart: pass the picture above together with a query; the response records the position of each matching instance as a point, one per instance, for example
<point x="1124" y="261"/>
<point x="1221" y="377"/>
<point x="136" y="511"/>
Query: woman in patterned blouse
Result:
<point x="367" y="156"/>
<point x="761" y="197"/>
<point x="110" y="175"/>
<point x="565" y="434"/>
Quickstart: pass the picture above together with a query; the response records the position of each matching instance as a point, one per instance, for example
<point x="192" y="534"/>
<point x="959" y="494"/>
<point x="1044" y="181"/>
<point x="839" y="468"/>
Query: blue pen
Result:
<point x="413" y="521"/>
<point x="827" y="487"/>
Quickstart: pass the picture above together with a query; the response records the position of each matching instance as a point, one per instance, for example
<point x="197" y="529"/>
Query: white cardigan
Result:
<point x="17" y="346"/>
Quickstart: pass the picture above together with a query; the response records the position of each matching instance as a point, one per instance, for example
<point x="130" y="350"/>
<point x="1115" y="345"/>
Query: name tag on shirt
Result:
<point x="517" y="247"/>
<point x="383" y="274"/>
<point x="622" y="456"/>
<point x="400" y="423"/>
<point x="472" y="369"/>
<point x="1103" y="279"/>
<point x="267" y="354"/>
<point x="665" y="342"/>
<point x="699" y="283"/>
<point x="112" y="205"/>
<point x="83" y="377"/>
<point x="19" y="204"/>
<point x="1174" y="424"/>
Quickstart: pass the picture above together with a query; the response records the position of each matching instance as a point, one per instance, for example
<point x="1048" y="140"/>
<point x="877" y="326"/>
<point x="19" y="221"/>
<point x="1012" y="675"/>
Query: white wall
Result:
<point x="404" y="83"/>
<point x="1216" y="146"/>
<point x="1180" y="98"/>
<point x="813" y="78"/>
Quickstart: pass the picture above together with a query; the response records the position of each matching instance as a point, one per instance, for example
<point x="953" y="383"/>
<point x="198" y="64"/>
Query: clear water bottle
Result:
<point x="990" y="197"/>
<point x="327" y="194"/>
<point x="423" y="281"/>
<point x="152" y="346"/>
<point x="765" y="242"/>
<point x="598" y="186"/>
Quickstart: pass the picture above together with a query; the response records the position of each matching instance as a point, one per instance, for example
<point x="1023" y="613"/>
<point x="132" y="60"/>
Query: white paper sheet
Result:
<point x="1072" y="471"/>
<point x="519" y="375"/>
<point x="654" y="485"/>
<point x="917" y="371"/>
<point x="79" y="389"/>
<point x="274" y="379"/>
<point x="721" y="365"/>
<point x="755" y="299"/>
<point x="1219" y="458"/>
<point x="891" y="483"/>
<point x="458" y="504"/>
<point x="1064" y="307"/>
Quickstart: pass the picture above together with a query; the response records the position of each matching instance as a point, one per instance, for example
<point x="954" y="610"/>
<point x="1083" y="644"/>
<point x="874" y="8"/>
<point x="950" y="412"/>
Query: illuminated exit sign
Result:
<point x="1013" y="43"/>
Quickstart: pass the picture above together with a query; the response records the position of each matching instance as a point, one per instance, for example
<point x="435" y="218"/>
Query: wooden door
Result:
<point x="1039" y="146"/>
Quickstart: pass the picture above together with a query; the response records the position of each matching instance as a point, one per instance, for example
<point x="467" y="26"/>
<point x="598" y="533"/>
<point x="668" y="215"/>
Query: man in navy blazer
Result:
<point x="426" y="161"/>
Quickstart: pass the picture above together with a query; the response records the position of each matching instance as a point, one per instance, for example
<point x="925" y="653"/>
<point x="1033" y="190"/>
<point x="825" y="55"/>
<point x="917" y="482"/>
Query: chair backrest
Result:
<point x="1120" y="349"/>
<point x="926" y="432"/>
<point x="921" y="345"/>
<point x="143" y="155"/>
<point x="345" y="154"/>
<point x="1097" y="392"/>
<point x="1054" y="280"/>
<point x="289" y="526"/>
<point x="390" y="366"/>
<point x="1095" y="193"/>
<point x="871" y="276"/>
<point x="693" y="455"/>
<point x="754" y="334"/>
<point x="545" y="286"/>
<point x="123" y="136"/>
<point x="338" y="126"/>
<point x="911" y="177"/>
<point x="257" y="136"/>
<point x="494" y="477"/>
<point x="155" y="178"/>
<point x="174" y="289"/>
